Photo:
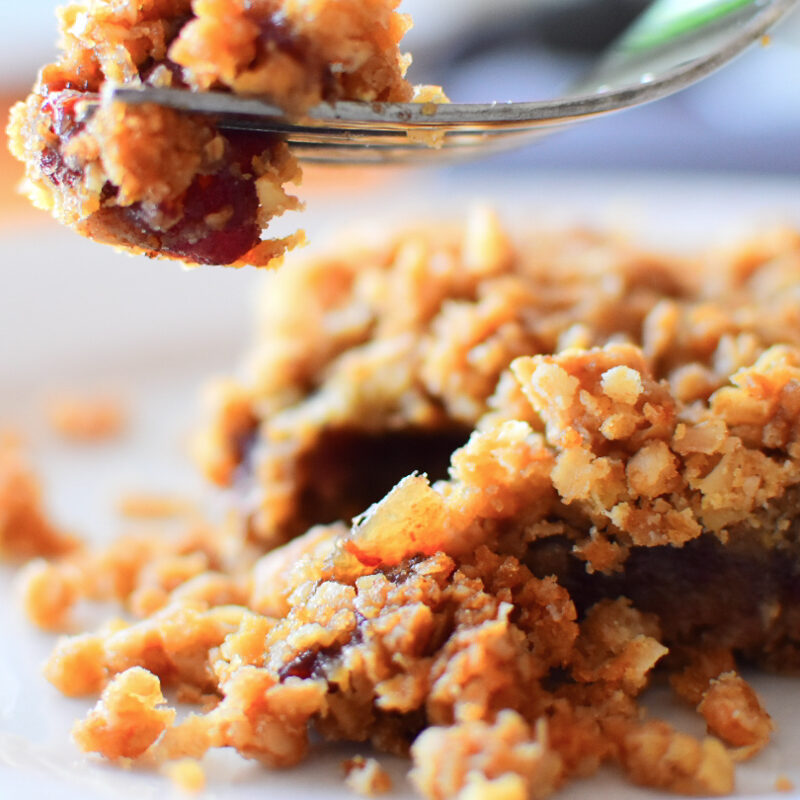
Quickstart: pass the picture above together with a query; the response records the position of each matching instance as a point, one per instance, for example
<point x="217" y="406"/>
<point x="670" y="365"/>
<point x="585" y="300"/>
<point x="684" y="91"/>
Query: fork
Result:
<point x="670" y="46"/>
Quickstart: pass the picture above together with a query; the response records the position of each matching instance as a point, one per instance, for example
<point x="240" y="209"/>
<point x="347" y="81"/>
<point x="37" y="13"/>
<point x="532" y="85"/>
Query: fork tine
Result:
<point x="406" y="152"/>
<point x="350" y="140"/>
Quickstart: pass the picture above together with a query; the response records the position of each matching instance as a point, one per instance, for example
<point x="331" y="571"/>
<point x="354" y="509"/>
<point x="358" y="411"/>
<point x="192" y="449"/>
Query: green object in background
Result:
<point x="666" y="20"/>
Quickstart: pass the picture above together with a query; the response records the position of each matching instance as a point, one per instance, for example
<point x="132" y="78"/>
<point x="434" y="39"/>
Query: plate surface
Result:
<point x="75" y="314"/>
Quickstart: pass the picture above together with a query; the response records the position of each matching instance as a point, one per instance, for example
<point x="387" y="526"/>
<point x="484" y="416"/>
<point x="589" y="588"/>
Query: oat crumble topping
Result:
<point x="619" y="506"/>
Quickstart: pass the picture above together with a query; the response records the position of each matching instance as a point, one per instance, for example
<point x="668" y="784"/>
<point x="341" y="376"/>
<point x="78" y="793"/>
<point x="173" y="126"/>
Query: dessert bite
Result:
<point x="151" y="180"/>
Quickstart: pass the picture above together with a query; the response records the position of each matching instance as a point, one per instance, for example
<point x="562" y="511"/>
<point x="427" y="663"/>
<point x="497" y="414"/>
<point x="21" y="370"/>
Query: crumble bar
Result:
<point x="154" y="181"/>
<point x="620" y="504"/>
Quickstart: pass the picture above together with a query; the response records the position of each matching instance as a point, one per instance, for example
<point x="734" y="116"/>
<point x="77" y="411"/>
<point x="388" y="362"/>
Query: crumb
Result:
<point x="656" y="755"/>
<point x="198" y="562"/>
<point x="48" y="595"/>
<point x="25" y="528"/>
<point x="366" y="776"/>
<point x="127" y="718"/>
<point x="734" y="713"/>
<point x="186" y="774"/>
<point x="702" y="666"/>
<point x="76" y="667"/>
<point x="784" y="784"/>
<point x="86" y="418"/>
<point x="471" y="760"/>
<point x="144" y="505"/>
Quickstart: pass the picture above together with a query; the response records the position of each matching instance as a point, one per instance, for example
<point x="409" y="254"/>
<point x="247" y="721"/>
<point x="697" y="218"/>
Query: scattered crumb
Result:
<point x="654" y="754"/>
<point x="86" y="418"/>
<point x="144" y="505"/>
<point x="187" y="774"/>
<point x="734" y="713"/>
<point x="784" y="784"/>
<point x="48" y="595"/>
<point x="25" y="528"/>
<point x="366" y="776"/>
<point x="199" y="563"/>
<point x="127" y="718"/>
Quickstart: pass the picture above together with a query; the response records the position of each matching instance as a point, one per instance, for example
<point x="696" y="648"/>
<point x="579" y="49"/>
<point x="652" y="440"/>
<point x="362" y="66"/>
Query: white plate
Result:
<point x="74" y="313"/>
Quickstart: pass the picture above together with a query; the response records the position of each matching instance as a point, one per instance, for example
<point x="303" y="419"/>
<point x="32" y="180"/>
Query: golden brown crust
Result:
<point x="662" y="452"/>
<point x="395" y="350"/>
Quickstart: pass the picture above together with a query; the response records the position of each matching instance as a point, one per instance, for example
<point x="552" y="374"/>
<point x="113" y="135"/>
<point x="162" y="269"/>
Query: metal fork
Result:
<point x="672" y="45"/>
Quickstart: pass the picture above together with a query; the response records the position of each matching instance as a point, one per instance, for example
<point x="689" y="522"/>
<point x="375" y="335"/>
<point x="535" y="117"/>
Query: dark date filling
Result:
<point x="229" y="195"/>
<point x="148" y="70"/>
<point x="348" y="470"/>
<point x="214" y="222"/>
<point x="739" y="596"/>
<point x="192" y="238"/>
<point x="60" y="107"/>
<point x="308" y="664"/>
